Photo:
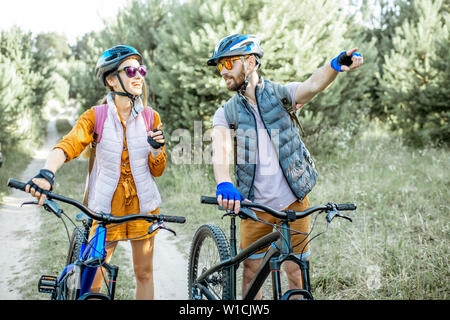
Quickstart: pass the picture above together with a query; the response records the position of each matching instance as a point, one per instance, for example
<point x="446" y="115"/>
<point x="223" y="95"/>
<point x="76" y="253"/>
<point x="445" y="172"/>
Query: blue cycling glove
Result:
<point x="228" y="191"/>
<point x="343" y="59"/>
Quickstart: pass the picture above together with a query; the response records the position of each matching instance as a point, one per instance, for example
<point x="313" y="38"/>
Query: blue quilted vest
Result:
<point x="296" y="163"/>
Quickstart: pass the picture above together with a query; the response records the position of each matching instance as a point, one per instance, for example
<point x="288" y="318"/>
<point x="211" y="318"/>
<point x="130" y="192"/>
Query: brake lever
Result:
<point x="49" y="206"/>
<point x="168" y="229"/>
<point x="334" y="213"/>
<point x="159" y="225"/>
<point x="244" y="213"/>
<point x="345" y="217"/>
<point x="29" y="202"/>
<point x="229" y="213"/>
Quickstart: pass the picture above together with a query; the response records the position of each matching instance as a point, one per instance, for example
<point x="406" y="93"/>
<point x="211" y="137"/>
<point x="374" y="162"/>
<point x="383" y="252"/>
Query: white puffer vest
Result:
<point x="106" y="171"/>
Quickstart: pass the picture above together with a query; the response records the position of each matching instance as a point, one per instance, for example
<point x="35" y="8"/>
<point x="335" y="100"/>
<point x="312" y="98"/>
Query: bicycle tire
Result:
<point x="209" y="247"/>
<point x="76" y="241"/>
<point x="79" y="237"/>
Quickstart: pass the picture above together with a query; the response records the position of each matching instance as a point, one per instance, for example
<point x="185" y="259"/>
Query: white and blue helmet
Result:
<point x="111" y="58"/>
<point x="236" y="45"/>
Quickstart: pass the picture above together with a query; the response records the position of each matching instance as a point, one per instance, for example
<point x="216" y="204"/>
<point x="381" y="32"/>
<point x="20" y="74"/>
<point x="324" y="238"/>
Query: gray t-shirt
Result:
<point x="270" y="185"/>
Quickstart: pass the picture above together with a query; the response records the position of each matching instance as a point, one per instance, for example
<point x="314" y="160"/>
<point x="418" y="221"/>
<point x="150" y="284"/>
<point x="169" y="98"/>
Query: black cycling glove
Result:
<point x="44" y="174"/>
<point x="155" y="144"/>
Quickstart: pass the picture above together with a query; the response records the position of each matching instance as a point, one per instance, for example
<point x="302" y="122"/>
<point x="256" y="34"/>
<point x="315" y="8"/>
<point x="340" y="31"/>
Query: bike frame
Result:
<point x="92" y="256"/>
<point x="277" y="254"/>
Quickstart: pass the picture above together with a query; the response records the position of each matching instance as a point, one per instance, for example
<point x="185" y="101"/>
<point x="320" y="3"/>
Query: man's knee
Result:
<point x="294" y="275"/>
<point x="292" y="268"/>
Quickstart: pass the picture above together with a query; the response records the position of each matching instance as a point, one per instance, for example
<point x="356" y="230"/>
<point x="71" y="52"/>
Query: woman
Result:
<point x="116" y="184"/>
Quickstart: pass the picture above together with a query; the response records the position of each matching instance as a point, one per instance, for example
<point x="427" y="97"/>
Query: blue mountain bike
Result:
<point x="85" y="257"/>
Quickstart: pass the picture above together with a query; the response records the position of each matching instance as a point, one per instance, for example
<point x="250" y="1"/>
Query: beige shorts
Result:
<point x="253" y="230"/>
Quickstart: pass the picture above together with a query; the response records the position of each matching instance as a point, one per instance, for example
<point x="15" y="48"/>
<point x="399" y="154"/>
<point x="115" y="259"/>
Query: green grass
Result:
<point x="14" y="163"/>
<point x="181" y="187"/>
<point x="396" y="248"/>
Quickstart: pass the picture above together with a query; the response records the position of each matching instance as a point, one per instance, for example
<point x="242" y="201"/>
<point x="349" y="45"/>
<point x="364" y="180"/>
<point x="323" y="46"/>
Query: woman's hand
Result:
<point x="41" y="182"/>
<point x="156" y="138"/>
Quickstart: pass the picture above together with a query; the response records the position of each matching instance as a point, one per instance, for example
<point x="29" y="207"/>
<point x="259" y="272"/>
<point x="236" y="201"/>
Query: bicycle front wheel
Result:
<point x="209" y="247"/>
<point x="66" y="285"/>
<point x="77" y="239"/>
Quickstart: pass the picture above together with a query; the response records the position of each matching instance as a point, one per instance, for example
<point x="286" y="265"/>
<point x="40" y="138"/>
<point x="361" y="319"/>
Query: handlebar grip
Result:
<point x="346" y="206"/>
<point x="16" y="184"/>
<point x="208" y="200"/>
<point x="174" y="219"/>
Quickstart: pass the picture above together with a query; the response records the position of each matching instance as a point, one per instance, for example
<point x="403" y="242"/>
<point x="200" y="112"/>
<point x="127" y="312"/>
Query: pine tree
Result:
<point x="20" y="104"/>
<point x="49" y="50"/>
<point x="295" y="45"/>
<point x="186" y="88"/>
<point x="135" y="25"/>
<point x="301" y="36"/>
<point x="177" y="38"/>
<point x="85" y="89"/>
<point x="412" y="88"/>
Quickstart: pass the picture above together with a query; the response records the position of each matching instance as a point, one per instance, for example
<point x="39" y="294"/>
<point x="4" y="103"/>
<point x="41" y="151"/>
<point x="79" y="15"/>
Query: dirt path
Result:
<point x="169" y="268"/>
<point x="20" y="228"/>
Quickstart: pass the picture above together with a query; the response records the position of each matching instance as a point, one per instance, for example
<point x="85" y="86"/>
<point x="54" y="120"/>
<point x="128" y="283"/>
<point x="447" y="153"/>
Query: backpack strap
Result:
<point x="101" y="113"/>
<point x="100" y="116"/>
<point x="231" y="112"/>
<point x="231" y="115"/>
<point x="149" y="118"/>
<point x="285" y="98"/>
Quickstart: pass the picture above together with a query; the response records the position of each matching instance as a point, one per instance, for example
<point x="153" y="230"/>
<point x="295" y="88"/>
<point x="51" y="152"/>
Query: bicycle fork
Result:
<point x="95" y="262"/>
<point x="275" y="266"/>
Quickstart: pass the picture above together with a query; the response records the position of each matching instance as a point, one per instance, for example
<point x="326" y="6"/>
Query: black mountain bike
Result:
<point x="213" y="262"/>
<point x="85" y="257"/>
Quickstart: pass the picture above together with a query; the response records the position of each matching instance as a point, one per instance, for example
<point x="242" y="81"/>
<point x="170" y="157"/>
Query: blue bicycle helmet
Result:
<point x="111" y="58"/>
<point x="236" y="45"/>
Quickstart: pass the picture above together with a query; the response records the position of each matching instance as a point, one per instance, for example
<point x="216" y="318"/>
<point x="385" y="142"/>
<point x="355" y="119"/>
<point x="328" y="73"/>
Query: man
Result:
<point x="273" y="167"/>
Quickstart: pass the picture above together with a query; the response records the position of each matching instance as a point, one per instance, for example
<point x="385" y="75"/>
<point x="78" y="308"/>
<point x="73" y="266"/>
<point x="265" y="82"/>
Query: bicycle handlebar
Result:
<point x="345" y="206"/>
<point x="286" y="214"/>
<point x="102" y="217"/>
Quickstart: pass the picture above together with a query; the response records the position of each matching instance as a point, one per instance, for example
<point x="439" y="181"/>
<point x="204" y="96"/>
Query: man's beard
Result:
<point x="236" y="84"/>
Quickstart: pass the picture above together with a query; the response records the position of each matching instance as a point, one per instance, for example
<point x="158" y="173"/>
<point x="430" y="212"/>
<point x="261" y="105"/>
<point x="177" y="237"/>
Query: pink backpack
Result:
<point x="102" y="111"/>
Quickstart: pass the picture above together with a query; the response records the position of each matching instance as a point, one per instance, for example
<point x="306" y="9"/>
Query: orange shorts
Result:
<point x="253" y="230"/>
<point x="125" y="202"/>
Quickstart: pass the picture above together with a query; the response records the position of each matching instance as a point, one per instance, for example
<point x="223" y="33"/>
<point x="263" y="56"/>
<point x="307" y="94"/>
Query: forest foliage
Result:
<point x="403" y="83"/>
